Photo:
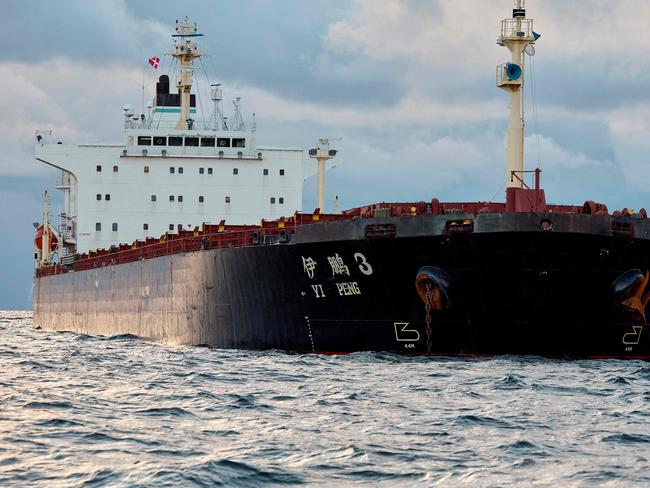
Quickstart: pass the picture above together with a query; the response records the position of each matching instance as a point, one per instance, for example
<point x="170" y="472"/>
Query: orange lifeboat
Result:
<point x="38" y="239"/>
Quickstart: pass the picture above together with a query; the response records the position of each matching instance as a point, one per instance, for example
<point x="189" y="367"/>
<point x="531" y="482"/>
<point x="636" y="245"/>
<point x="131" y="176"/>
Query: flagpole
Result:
<point x="142" y="90"/>
<point x="142" y="56"/>
<point x="153" y="62"/>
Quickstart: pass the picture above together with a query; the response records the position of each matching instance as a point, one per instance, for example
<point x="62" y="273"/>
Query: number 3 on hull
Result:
<point x="364" y="265"/>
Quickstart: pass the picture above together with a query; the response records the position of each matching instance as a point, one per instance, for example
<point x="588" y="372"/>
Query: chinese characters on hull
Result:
<point x="338" y="268"/>
<point x="309" y="266"/>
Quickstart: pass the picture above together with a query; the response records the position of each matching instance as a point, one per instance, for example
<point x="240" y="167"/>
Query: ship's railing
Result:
<point x="280" y="231"/>
<point x="156" y="121"/>
<point x="516" y="28"/>
<point x="274" y="232"/>
<point x="62" y="182"/>
<point x="50" y="270"/>
<point x="209" y="237"/>
<point x="196" y="125"/>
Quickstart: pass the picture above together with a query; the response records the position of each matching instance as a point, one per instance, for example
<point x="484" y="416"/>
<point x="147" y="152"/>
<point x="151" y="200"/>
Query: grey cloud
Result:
<point x="94" y="31"/>
<point x="277" y="44"/>
<point x="588" y="85"/>
<point x="586" y="137"/>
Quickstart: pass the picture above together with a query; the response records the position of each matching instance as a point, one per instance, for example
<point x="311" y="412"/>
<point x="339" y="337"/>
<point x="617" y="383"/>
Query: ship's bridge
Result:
<point x="211" y="144"/>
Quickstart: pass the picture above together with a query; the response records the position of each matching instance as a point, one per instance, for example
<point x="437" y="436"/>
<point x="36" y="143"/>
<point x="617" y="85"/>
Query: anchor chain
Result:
<point x="427" y="308"/>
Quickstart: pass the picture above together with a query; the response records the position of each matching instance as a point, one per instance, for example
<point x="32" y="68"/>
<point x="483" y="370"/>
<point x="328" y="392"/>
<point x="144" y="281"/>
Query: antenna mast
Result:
<point x="237" y="119"/>
<point x="322" y="154"/>
<point x="45" y="246"/>
<point x="186" y="51"/>
<point x="516" y="34"/>
<point x="217" y="98"/>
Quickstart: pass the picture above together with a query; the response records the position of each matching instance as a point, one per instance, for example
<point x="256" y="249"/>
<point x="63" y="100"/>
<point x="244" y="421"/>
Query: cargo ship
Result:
<point x="189" y="233"/>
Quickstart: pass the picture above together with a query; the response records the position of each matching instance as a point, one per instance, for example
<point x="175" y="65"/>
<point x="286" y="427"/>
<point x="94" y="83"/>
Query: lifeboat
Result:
<point x="38" y="239"/>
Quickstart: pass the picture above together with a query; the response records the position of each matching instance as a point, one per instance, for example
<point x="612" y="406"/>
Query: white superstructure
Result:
<point x="171" y="172"/>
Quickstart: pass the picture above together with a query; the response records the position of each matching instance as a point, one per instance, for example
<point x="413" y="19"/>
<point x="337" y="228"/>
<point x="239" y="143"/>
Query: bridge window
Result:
<point x="171" y="227"/>
<point x="201" y="171"/>
<point x="227" y="199"/>
<point x="179" y="227"/>
<point x="180" y="170"/>
<point x="145" y="226"/>
<point x="238" y="142"/>
<point x="209" y="171"/>
<point x="115" y="169"/>
<point x="175" y="141"/>
<point x="159" y="141"/>
<point x="98" y="227"/>
<point x="144" y="140"/>
<point x="180" y="198"/>
<point x="266" y="172"/>
<point x="99" y="197"/>
<point x="99" y="168"/>
<point x="171" y="198"/>
<point x="235" y="171"/>
<point x="281" y="200"/>
<point x="272" y="199"/>
<point x="201" y="199"/>
<point x="146" y="169"/>
<point x="281" y="172"/>
<point x="153" y="198"/>
<point x="114" y="226"/>
<point x="107" y="197"/>
<point x="192" y="141"/>
<point x="223" y="142"/>
<point x="207" y="141"/>
<point x="172" y="170"/>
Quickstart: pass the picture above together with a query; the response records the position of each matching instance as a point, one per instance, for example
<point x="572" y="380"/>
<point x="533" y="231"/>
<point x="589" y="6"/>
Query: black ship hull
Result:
<point x="412" y="287"/>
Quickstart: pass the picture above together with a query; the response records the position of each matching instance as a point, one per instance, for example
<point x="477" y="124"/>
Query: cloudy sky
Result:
<point x="407" y="86"/>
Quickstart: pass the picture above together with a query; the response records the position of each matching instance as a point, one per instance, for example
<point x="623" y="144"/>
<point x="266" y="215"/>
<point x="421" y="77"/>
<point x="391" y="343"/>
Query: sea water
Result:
<point x="95" y="411"/>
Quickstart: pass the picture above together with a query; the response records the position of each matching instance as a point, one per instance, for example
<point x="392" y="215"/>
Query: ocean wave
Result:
<point x="121" y="411"/>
